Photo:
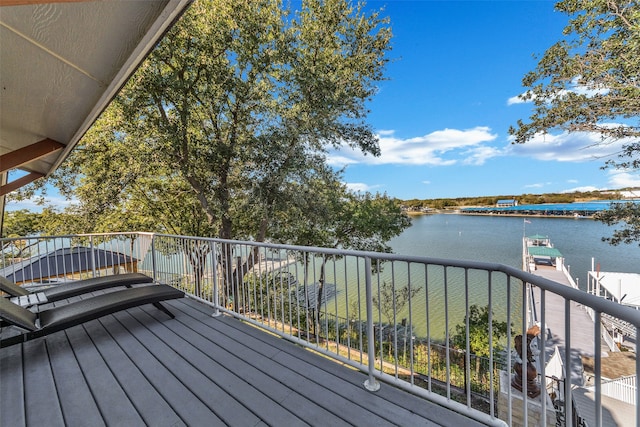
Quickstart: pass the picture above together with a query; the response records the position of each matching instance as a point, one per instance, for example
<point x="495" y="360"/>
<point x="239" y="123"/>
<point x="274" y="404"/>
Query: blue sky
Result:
<point x="443" y="115"/>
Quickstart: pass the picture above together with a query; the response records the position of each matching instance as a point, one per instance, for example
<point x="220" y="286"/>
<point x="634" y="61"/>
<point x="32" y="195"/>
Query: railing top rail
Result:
<point x="599" y="304"/>
<point x="71" y="236"/>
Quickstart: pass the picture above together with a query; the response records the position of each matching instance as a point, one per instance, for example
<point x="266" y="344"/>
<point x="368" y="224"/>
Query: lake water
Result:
<point x="499" y="239"/>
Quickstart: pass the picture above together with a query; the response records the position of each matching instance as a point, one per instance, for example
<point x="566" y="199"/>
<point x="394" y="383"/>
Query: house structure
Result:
<point x="506" y="203"/>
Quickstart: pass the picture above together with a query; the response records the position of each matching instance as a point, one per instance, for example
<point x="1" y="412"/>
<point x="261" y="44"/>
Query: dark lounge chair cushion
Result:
<point x="16" y="315"/>
<point x="72" y="289"/>
<point x="78" y="312"/>
<point x="11" y="288"/>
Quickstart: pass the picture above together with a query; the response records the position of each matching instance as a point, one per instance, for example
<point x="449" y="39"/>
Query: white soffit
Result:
<point x="62" y="62"/>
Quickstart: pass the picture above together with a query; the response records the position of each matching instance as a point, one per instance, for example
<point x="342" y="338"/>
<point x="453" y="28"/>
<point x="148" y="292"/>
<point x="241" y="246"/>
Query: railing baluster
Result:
<point x="446" y="332"/>
<point x="467" y="339"/>
<point x="597" y="368"/>
<point x="371" y="384"/>
<point x="568" y="404"/>
<point x="509" y="350"/>
<point x="491" y="390"/>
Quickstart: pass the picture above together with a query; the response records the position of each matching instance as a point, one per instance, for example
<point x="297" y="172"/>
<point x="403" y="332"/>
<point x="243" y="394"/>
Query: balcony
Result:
<point x="284" y="335"/>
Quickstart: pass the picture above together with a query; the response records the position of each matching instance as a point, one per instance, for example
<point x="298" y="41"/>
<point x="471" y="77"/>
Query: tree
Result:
<point x="242" y="100"/>
<point x="588" y="82"/>
<point x="478" y="320"/>
<point x="224" y="130"/>
<point x="392" y="300"/>
<point x="20" y="223"/>
<point x="629" y="213"/>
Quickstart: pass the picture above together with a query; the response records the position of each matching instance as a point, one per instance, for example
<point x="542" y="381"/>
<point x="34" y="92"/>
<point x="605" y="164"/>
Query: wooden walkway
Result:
<point x="138" y="367"/>
<point x="582" y="336"/>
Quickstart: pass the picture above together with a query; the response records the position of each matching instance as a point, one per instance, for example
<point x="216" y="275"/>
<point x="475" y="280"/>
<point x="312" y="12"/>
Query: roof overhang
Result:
<point x="62" y="62"/>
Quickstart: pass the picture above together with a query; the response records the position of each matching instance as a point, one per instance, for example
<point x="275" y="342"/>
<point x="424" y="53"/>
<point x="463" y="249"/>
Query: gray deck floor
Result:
<point x="138" y="367"/>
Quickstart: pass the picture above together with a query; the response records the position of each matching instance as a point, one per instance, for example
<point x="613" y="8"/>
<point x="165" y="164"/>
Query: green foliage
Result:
<point x="590" y="75"/>
<point x="629" y="215"/>
<point x="479" y="332"/>
<point x="588" y="82"/>
<point x="523" y="199"/>
<point x="242" y="99"/>
<point x="21" y="223"/>
<point x="391" y="299"/>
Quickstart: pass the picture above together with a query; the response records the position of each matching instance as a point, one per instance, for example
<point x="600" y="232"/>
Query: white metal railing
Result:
<point x="410" y="321"/>
<point x="624" y="389"/>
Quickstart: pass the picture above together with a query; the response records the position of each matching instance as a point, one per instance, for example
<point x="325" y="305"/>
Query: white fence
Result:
<point x="624" y="389"/>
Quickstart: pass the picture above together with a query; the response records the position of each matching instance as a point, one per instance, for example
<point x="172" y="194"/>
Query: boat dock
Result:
<point x="575" y="330"/>
<point x="543" y="260"/>
<point x="582" y="340"/>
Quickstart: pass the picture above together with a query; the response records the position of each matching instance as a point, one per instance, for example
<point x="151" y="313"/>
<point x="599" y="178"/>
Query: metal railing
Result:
<point x="434" y="327"/>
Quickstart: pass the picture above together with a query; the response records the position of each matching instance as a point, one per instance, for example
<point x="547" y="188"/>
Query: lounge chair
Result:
<point x="77" y="312"/>
<point x="24" y="298"/>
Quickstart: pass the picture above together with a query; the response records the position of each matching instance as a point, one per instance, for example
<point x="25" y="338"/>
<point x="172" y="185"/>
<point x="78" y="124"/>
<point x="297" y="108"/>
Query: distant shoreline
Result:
<point x="516" y="215"/>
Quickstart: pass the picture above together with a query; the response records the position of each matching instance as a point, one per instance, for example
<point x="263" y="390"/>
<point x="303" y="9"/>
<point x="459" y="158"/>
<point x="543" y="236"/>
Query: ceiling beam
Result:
<point x="14" y="185"/>
<point x="28" y="154"/>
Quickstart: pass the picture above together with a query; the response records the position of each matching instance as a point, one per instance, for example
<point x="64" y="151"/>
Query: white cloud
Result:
<point x="479" y="155"/>
<point x="536" y="185"/>
<point x="439" y="148"/>
<point x="360" y="187"/>
<point x="566" y="147"/>
<point x="518" y="99"/>
<point x="426" y="182"/>
<point x="620" y="179"/>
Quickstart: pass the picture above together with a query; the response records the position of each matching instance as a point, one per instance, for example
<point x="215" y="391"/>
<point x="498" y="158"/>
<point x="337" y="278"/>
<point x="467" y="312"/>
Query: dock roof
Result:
<point x="544" y="251"/>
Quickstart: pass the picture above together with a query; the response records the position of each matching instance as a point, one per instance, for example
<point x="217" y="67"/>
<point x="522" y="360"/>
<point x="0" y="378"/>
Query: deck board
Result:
<point x="39" y="386"/>
<point x="12" y="387"/>
<point x="138" y="367"/>
<point x="164" y="374"/>
<point x="148" y="402"/>
<point x="113" y="402"/>
<point x="76" y="400"/>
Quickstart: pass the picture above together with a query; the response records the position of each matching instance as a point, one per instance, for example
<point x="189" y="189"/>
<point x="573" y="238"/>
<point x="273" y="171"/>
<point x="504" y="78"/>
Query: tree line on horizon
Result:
<point x="522" y="199"/>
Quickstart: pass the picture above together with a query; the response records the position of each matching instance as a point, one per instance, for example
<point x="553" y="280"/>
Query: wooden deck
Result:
<point x="138" y="367"/>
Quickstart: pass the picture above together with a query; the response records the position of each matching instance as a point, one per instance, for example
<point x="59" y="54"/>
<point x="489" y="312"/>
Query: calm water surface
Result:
<point x="499" y="239"/>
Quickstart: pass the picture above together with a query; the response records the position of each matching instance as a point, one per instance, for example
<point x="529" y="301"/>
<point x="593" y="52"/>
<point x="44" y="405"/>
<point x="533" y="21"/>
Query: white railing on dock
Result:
<point x="415" y="322"/>
<point x="624" y="389"/>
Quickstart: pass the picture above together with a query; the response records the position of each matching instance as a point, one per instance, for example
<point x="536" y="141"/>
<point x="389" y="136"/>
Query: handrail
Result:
<point x="196" y="265"/>
<point x="600" y="304"/>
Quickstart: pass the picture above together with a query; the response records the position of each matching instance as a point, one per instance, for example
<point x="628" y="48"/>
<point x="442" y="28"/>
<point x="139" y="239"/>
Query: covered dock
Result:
<point x="576" y="210"/>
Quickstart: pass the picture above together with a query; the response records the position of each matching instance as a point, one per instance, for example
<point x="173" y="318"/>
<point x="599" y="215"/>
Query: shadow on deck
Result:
<point x="138" y="367"/>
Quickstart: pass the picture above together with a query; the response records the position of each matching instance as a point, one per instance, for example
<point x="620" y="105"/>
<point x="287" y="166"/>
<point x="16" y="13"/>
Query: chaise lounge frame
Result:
<point x="74" y="313"/>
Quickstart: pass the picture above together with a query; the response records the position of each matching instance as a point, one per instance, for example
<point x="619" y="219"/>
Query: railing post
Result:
<point x="370" y="384"/>
<point x="214" y="274"/>
<point x="153" y="257"/>
<point x="93" y="257"/>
